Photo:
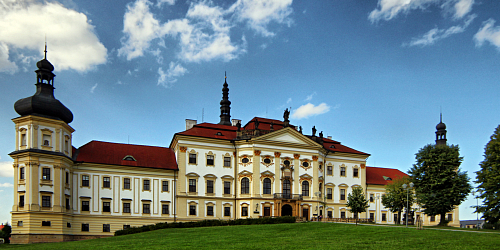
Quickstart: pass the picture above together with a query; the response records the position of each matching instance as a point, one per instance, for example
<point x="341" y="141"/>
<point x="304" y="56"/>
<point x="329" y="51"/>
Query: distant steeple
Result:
<point x="441" y="131"/>
<point x="225" y="109"/>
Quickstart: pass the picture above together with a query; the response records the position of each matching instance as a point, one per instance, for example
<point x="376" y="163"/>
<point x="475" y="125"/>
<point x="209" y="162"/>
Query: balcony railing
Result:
<point x="286" y="196"/>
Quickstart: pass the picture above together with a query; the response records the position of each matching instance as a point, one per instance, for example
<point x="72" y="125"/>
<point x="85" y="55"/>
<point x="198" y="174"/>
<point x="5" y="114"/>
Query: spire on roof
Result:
<point x="441" y="131"/>
<point x="225" y="109"/>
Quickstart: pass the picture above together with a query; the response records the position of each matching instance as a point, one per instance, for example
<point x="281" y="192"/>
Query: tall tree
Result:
<point x="356" y="202"/>
<point x="395" y="198"/>
<point x="488" y="178"/>
<point x="439" y="184"/>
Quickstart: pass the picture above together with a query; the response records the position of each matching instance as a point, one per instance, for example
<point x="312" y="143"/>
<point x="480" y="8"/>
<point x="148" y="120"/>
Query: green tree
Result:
<point x="356" y="202"/>
<point x="439" y="184"/>
<point x="395" y="198"/>
<point x="488" y="178"/>
<point x="5" y="233"/>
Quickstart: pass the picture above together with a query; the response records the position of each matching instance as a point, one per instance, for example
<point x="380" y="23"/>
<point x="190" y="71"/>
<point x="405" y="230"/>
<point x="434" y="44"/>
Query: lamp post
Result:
<point x="477" y="205"/>
<point x="317" y="207"/>
<point x="407" y="190"/>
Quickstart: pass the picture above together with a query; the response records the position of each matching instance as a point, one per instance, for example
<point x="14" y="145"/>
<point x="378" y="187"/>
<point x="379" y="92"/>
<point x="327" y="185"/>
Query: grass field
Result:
<point x="286" y="236"/>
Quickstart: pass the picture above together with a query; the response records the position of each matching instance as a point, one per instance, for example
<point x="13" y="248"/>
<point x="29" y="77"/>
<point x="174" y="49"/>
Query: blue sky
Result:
<point x="374" y="75"/>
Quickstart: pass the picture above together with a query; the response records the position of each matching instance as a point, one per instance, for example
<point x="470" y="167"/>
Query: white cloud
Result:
<point x="289" y="100"/>
<point x="389" y="9"/>
<point x="5" y="64"/>
<point x="488" y="33"/>
<point x="436" y="34"/>
<point x="93" y="88"/>
<point x="259" y="13"/>
<point x="310" y="97"/>
<point x="309" y="109"/>
<point x="6" y="169"/>
<point x="174" y="71"/>
<point x="204" y="34"/>
<point x="159" y="3"/>
<point x="72" y="42"/>
<point x="6" y="185"/>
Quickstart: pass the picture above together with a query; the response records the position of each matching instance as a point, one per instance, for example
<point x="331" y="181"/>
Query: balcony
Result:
<point x="287" y="196"/>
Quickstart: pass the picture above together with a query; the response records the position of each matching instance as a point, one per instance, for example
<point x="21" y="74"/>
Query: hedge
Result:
<point x="206" y="223"/>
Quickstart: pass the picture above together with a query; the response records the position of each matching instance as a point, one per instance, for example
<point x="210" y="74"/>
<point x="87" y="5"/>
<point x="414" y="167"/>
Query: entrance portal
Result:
<point x="286" y="210"/>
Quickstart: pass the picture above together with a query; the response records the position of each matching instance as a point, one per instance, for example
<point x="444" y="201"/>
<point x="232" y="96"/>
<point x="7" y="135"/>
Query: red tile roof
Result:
<point x="226" y="132"/>
<point x="375" y="175"/>
<point x="114" y="154"/>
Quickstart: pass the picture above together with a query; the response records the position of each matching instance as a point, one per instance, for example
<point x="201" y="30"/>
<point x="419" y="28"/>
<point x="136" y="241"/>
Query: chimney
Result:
<point x="235" y="121"/>
<point x="190" y="123"/>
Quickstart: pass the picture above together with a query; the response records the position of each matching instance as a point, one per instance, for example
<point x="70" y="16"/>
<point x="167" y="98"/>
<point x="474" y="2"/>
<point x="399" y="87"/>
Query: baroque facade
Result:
<point x="210" y="171"/>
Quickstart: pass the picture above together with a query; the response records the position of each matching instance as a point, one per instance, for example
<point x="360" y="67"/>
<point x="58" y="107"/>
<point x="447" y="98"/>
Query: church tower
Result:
<point x="441" y="132"/>
<point x="42" y="163"/>
<point x="225" y="109"/>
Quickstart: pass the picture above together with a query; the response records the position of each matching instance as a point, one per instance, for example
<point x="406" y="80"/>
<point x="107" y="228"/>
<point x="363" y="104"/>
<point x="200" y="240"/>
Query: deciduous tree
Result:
<point x="395" y="198"/>
<point x="488" y="178"/>
<point x="356" y="202"/>
<point x="439" y="183"/>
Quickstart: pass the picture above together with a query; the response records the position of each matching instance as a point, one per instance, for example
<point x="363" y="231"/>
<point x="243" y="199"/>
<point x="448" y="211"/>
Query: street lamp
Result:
<point x="407" y="189"/>
<point x="477" y="206"/>
<point x="317" y="207"/>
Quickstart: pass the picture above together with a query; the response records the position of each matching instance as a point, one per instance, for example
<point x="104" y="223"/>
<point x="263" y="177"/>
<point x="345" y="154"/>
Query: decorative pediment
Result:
<point x="245" y="173"/>
<point x="288" y="135"/>
<point x="329" y="184"/>
<point x="267" y="174"/>
<point x="192" y="174"/>
<point x="305" y="177"/>
<point x="227" y="177"/>
<point x="211" y="176"/>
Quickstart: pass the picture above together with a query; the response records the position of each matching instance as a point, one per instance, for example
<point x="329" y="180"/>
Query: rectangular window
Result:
<point x="329" y="193"/>
<point x="67" y="177"/>
<point x="85" y="180"/>
<point x="68" y="207"/>
<point x="372" y="197"/>
<point x="227" y="161"/>
<point x="21" y="173"/>
<point x="126" y="183"/>
<point x="146" y="185"/>
<point x="372" y="216"/>
<point x="192" y="185"/>
<point x="106" y="206"/>
<point x="164" y="186"/>
<point x="450" y="217"/>
<point x="342" y="194"/>
<point x="66" y="145"/>
<point x="192" y="209"/>
<point x="21" y="200"/>
<point x="23" y="139"/>
<point x="342" y="171"/>
<point x="85" y="227"/>
<point x="384" y="217"/>
<point x="244" y="211"/>
<point x="210" y="186"/>
<point x="433" y="218"/>
<point x="45" y="223"/>
<point x="20" y="223"/>
<point x="210" y="160"/>
<point x="106" y="228"/>
<point x="355" y="172"/>
<point x="145" y="209"/>
<point x="126" y="226"/>
<point x="210" y="210"/>
<point x="46" y="174"/>
<point x="85" y="206"/>
<point x="164" y="209"/>
<point x="106" y="182"/>
<point x="227" y="211"/>
<point x="267" y="211"/>
<point x="330" y="214"/>
<point x="46" y="140"/>
<point x="46" y="201"/>
<point x="126" y="207"/>
<point x="342" y="214"/>
<point x="192" y="158"/>
<point x="329" y="170"/>
<point x="227" y="187"/>
<point x="395" y="218"/>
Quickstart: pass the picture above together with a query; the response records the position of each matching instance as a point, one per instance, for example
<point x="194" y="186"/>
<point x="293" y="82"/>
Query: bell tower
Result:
<point x="441" y="132"/>
<point x="42" y="163"/>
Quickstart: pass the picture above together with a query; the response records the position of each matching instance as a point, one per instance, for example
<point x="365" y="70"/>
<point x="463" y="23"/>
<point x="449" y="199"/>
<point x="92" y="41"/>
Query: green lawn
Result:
<point x="287" y="236"/>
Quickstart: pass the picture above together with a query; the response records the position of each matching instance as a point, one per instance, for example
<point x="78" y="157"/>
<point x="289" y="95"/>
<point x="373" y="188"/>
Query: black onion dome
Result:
<point x="43" y="103"/>
<point x="440" y="126"/>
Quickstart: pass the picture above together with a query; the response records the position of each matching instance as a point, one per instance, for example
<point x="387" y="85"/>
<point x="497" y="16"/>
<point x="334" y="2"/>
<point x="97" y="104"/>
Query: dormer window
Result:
<point x="129" y="158"/>
<point x="332" y="146"/>
<point x="218" y="133"/>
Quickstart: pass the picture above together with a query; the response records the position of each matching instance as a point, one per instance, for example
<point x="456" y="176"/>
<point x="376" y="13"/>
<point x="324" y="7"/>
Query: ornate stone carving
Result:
<point x="363" y="166"/>
<point x="183" y="149"/>
<point x="277" y="154"/>
<point x="296" y="156"/>
<point x="315" y="158"/>
<point x="256" y="152"/>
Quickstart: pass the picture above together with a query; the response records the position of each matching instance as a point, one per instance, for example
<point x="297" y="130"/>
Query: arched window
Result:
<point x="305" y="188"/>
<point x="267" y="186"/>
<point x="286" y="189"/>
<point x="245" y="185"/>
